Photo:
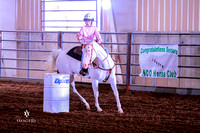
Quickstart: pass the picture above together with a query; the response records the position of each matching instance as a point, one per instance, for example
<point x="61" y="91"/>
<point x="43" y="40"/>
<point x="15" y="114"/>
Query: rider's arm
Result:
<point x="98" y="36"/>
<point x="80" y="35"/>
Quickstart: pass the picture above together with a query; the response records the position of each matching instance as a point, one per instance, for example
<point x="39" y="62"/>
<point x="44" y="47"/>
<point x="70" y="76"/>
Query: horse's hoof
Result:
<point x="87" y="106"/>
<point x="99" y="110"/>
<point x="120" y="111"/>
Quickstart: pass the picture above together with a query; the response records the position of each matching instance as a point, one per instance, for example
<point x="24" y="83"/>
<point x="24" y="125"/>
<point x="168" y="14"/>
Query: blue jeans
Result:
<point x="81" y="62"/>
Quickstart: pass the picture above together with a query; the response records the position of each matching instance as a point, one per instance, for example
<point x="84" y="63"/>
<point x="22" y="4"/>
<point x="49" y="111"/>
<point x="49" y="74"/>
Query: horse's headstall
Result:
<point x="84" y="45"/>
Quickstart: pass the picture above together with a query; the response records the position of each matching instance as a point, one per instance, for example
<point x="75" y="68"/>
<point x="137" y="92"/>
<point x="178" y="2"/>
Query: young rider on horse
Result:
<point x="87" y="34"/>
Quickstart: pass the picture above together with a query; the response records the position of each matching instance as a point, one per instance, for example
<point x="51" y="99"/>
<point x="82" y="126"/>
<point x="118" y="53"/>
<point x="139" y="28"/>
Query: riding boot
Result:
<point x="83" y="72"/>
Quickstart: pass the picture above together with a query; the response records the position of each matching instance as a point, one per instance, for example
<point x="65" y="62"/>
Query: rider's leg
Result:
<point x="83" y="71"/>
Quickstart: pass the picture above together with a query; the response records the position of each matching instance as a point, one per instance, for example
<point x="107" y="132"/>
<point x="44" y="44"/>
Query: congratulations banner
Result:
<point x="159" y="61"/>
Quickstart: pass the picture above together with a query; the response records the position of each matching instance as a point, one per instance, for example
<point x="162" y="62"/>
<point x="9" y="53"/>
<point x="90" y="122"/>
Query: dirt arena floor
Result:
<point x="143" y="111"/>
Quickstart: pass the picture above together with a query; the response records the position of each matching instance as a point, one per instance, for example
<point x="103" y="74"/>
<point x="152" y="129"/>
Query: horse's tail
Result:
<point x="52" y="61"/>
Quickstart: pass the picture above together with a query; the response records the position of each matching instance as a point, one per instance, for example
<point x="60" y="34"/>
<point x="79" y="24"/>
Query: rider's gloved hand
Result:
<point x="79" y="37"/>
<point x="99" y="41"/>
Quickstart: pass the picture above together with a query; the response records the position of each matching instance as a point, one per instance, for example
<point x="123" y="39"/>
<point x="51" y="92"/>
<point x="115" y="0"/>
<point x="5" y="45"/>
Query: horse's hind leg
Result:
<point x="76" y="92"/>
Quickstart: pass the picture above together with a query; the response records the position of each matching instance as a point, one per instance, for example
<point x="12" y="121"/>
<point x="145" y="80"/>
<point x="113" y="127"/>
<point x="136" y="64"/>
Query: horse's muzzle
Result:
<point x="85" y="65"/>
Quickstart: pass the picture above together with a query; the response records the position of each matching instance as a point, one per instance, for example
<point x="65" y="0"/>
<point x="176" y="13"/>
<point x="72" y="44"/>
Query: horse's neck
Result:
<point x="102" y="54"/>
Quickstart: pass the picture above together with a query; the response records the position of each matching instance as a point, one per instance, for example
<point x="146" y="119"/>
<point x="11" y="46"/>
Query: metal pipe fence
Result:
<point x="185" y="41"/>
<point x="21" y="52"/>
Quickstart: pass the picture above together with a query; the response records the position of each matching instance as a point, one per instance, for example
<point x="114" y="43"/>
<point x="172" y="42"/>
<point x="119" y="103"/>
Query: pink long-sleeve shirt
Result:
<point x="89" y="33"/>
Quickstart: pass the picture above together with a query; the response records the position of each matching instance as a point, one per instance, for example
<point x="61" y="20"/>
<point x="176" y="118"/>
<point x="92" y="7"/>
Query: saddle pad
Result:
<point x="75" y="52"/>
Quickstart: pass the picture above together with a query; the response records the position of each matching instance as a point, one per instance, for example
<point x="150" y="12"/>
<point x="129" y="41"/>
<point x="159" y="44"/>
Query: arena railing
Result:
<point x="28" y="39"/>
<point x="188" y="80"/>
<point x="127" y="43"/>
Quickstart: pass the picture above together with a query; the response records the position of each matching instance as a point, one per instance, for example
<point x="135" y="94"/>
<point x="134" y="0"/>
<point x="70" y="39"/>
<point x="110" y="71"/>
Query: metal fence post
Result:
<point x="1" y="36"/>
<point x="29" y="45"/>
<point x="128" y="65"/>
<point x="60" y="40"/>
<point x="180" y="59"/>
<point x="156" y="39"/>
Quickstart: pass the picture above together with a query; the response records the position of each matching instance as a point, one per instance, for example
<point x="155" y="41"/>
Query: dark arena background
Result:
<point x="143" y="111"/>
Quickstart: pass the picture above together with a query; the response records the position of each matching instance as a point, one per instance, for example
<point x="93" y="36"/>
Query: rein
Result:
<point x="110" y="70"/>
<point x="98" y="67"/>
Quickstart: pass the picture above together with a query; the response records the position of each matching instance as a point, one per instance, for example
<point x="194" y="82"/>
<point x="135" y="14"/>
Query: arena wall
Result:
<point x="69" y="41"/>
<point x="33" y="48"/>
<point x="7" y="13"/>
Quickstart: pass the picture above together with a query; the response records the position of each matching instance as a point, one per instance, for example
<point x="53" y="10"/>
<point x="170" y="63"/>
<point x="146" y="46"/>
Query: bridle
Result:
<point x="91" y="44"/>
<point x="98" y="66"/>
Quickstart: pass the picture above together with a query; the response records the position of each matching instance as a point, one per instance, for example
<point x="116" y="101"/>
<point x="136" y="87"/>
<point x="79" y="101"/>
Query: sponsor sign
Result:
<point x="159" y="61"/>
<point x="60" y="80"/>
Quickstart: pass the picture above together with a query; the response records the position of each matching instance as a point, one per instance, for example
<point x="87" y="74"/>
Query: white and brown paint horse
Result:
<point x="105" y="70"/>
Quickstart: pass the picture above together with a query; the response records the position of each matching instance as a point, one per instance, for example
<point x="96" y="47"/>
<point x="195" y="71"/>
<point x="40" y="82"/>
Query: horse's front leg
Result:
<point x="95" y="84"/>
<point x="76" y="92"/>
<point x="116" y="93"/>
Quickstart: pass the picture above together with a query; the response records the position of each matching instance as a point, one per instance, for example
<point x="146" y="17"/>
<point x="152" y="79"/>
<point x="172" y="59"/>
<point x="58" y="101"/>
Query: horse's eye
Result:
<point x="88" y="50"/>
